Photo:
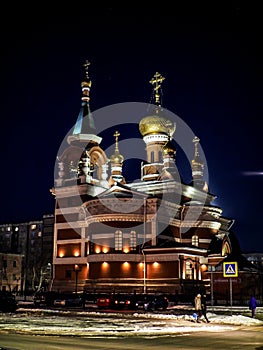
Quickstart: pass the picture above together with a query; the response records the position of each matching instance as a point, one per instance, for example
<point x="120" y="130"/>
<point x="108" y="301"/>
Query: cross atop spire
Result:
<point x="156" y="82"/>
<point x="86" y="66"/>
<point x="196" y="142"/>
<point x="116" y="134"/>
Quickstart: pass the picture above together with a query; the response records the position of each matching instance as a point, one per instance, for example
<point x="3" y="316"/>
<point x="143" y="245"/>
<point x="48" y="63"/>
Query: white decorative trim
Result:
<point x="155" y="138"/>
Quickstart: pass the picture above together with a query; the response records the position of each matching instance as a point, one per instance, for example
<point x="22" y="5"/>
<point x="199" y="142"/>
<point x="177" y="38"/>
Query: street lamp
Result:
<point x="77" y="269"/>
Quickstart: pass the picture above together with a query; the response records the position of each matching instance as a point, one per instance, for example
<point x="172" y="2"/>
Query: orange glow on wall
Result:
<point x="126" y="249"/>
<point x="97" y="250"/>
<point x="61" y="253"/>
<point x="105" y="264"/>
<point x="156" y="264"/>
<point x="126" y="265"/>
<point x="76" y="253"/>
<point x="105" y="249"/>
<point x="141" y="264"/>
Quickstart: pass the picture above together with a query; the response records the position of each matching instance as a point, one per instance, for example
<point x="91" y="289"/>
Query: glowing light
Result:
<point x="126" y="249"/>
<point x="105" y="264"/>
<point x="61" y="254"/>
<point x="76" y="267"/>
<point x="126" y="265"/>
<point x="141" y="264"/>
<point x="156" y="264"/>
<point x="97" y="250"/>
<point x="76" y="253"/>
<point x="203" y="267"/>
<point x="105" y="249"/>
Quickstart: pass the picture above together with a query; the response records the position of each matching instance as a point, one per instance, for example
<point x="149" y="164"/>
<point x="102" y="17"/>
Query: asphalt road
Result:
<point x="237" y="339"/>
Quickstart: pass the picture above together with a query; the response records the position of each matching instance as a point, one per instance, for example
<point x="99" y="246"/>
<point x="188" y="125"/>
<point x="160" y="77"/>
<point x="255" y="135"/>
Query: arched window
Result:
<point x="133" y="241"/>
<point x="226" y="249"/>
<point x="160" y="156"/>
<point x="118" y="240"/>
<point x="152" y="157"/>
<point x="189" y="270"/>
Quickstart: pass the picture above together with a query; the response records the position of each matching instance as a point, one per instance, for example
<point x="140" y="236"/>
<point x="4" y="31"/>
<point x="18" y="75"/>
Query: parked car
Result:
<point x="44" y="298"/>
<point x="152" y="302"/>
<point x="8" y="302"/>
<point x="116" y="301"/>
<point x="104" y="301"/>
<point x="68" y="299"/>
<point x="123" y="301"/>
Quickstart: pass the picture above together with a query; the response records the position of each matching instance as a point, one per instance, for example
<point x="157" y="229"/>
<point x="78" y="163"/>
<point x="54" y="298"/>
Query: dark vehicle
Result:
<point x="152" y="302"/>
<point x="104" y="301"/>
<point x="68" y="299"/>
<point x="116" y="301"/>
<point x="42" y="298"/>
<point x="123" y="301"/>
<point x="8" y="302"/>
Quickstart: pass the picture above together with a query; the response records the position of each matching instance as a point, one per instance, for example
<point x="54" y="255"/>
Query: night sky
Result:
<point x="212" y="63"/>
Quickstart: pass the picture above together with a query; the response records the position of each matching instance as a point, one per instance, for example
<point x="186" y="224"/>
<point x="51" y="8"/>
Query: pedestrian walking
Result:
<point x="252" y="306"/>
<point x="198" y="307"/>
<point x="203" y="305"/>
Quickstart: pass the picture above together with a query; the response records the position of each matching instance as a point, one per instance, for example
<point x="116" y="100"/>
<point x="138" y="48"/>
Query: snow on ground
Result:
<point x="92" y="323"/>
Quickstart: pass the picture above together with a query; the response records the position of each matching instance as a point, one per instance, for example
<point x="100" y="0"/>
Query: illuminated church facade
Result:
<point x="154" y="235"/>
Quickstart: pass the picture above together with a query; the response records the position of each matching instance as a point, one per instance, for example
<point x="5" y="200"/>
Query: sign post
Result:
<point x="230" y="270"/>
<point x="212" y="269"/>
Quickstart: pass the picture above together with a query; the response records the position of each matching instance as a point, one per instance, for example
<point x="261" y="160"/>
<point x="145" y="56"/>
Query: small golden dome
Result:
<point x="197" y="161"/>
<point x="156" y="124"/>
<point x="169" y="148"/>
<point x="116" y="158"/>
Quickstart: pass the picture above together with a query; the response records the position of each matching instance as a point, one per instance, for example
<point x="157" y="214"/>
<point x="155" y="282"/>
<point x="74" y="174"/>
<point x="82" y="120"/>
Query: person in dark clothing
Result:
<point x="252" y="306"/>
<point x="203" y="305"/>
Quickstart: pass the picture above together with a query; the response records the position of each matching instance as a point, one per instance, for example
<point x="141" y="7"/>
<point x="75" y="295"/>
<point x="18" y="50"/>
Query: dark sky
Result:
<point x="211" y="59"/>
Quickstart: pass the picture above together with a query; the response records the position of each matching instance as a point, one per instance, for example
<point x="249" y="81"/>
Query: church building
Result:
<point x="154" y="235"/>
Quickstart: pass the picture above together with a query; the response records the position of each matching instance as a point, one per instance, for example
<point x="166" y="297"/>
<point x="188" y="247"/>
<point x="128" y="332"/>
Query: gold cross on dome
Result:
<point x="116" y="134"/>
<point x="86" y="65"/>
<point x="156" y="82"/>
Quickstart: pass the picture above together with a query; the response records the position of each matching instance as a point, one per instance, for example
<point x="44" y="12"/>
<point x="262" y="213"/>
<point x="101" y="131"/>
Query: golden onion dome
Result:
<point x="156" y="124"/>
<point x="197" y="161"/>
<point x="116" y="158"/>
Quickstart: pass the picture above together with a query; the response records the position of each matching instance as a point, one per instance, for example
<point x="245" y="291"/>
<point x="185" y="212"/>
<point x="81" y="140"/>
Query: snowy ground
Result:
<point x="94" y="323"/>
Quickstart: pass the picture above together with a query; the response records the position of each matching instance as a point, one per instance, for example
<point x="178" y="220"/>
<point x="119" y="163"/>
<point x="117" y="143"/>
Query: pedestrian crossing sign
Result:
<point x="230" y="269"/>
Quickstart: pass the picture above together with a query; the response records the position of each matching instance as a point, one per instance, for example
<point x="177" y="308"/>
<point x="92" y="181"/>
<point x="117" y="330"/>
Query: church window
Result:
<point x="118" y="240"/>
<point x="152" y="157"/>
<point x="133" y="240"/>
<point x="188" y="270"/>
